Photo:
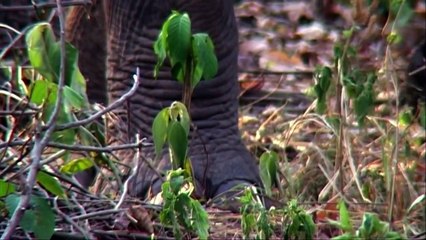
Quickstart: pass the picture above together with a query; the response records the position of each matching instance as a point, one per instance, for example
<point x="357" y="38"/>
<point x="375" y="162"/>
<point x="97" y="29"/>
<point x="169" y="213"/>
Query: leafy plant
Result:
<point x="192" y="57"/>
<point x="44" y="54"/>
<point x="39" y="218"/>
<point x="180" y="209"/>
<point x="268" y="168"/>
<point x="371" y="227"/>
<point x="358" y="85"/>
<point x="297" y="223"/>
<point x="255" y="218"/>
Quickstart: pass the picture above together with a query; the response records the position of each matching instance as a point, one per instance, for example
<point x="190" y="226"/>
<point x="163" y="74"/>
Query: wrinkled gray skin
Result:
<point x="219" y="158"/>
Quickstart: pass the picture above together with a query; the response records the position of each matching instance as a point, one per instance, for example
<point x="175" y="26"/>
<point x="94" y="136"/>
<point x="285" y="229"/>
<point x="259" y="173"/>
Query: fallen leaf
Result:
<point x="314" y="31"/>
<point x="296" y="10"/>
<point x="279" y="61"/>
<point x="142" y="217"/>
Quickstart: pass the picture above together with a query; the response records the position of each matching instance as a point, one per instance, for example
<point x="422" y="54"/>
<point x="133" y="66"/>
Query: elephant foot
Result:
<point x="229" y="193"/>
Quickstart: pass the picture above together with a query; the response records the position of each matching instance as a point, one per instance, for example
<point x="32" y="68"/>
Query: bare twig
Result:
<point x="70" y="221"/>
<point x="40" y="141"/>
<point x="134" y="171"/>
<point x="45" y="5"/>
<point x="97" y="214"/>
<point x="112" y="106"/>
<point x="78" y="147"/>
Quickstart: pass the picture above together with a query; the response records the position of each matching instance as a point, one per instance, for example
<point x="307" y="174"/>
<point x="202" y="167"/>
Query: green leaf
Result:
<point x="178" y="37"/>
<point x="178" y="142"/>
<point x="6" y="188"/>
<point x="160" y="49"/>
<point x="73" y="99"/>
<point x="45" y="218"/>
<point x="39" y="92"/>
<point x="268" y="170"/>
<point x="179" y="113"/>
<point x="181" y="208"/>
<point x="51" y="184"/>
<point x="44" y="53"/>
<point x="367" y="225"/>
<point x="40" y="41"/>
<point x="416" y="202"/>
<point x="176" y="182"/>
<point x="204" y="56"/>
<point x="345" y="219"/>
<point x="76" y="165"/>
<point x="28" y="219"/>
<point x="405" y="117"/>
<point x="405" y="13"/>
<point x="200" y="220"/>
<point x="178" y="71"/>
<point x="159" y="130"/>
<point x="323" y="81"/>
<point x="65" y="136"/>
<point x="364" y="104"/>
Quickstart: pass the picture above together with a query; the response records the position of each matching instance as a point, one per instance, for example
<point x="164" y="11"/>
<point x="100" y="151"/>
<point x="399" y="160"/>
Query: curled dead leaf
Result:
<point x="140" y="218"/>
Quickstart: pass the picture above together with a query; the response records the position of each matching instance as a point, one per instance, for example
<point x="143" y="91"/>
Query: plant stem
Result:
<point x="187" y="88"/>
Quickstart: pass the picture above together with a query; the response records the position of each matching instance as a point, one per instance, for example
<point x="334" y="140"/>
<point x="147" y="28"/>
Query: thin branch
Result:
<point x="97" y="214"/>
<point x="39" y="142"/>
<point x="69" y="220"/>
<point x="112" y="106"/>
<point x="44" y="5"/>
<point x="133" y="173"/>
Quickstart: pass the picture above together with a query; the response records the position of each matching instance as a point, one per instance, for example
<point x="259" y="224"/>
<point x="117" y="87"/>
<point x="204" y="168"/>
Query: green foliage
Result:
<point x="6" y="188"/>
<point x="268" y="169"/>
<point x="76" y="165"/>
<point x="191" y="56"/>
<point x="38" y="218"/>
<point x="322" y="78"/>
<point x="358" y="85"/>
<point x="180" y="209"/>
<point x="171" y="125"/>
<point x="364" y="100"/>
<point x="44" y="53"/>
<point x="204" y="58"/>
<point x="255" y="218"/>
<point x="51" y="184"/>
<point x="297" y="223"/>
<point x="371" y="227"/>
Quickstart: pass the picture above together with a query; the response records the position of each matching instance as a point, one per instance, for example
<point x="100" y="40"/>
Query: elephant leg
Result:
<point x="219" y="158"/>
<point x="85" y="29"/>
<point x="413" y="90"/>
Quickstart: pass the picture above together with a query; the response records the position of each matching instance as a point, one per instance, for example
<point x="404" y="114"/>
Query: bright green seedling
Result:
<point x="322" y="78"/>
<point x="39" y="218"/>
<point x="371" y="227"/>
<point x="268" y="169"/>
<point x="44" y="54"/>
<point x="171" y="125"/>
<point x="192" y="58"/>
<point x="359" y="86"/>
<point x="180" y="209"/>
<point x="255" y="219"/>
<point x="297" y="223"/>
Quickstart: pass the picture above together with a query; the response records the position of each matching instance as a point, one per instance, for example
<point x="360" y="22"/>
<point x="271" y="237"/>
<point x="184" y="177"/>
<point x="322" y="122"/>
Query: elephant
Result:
<point x="413" y="90"/>
<point x="117" y="38"/>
